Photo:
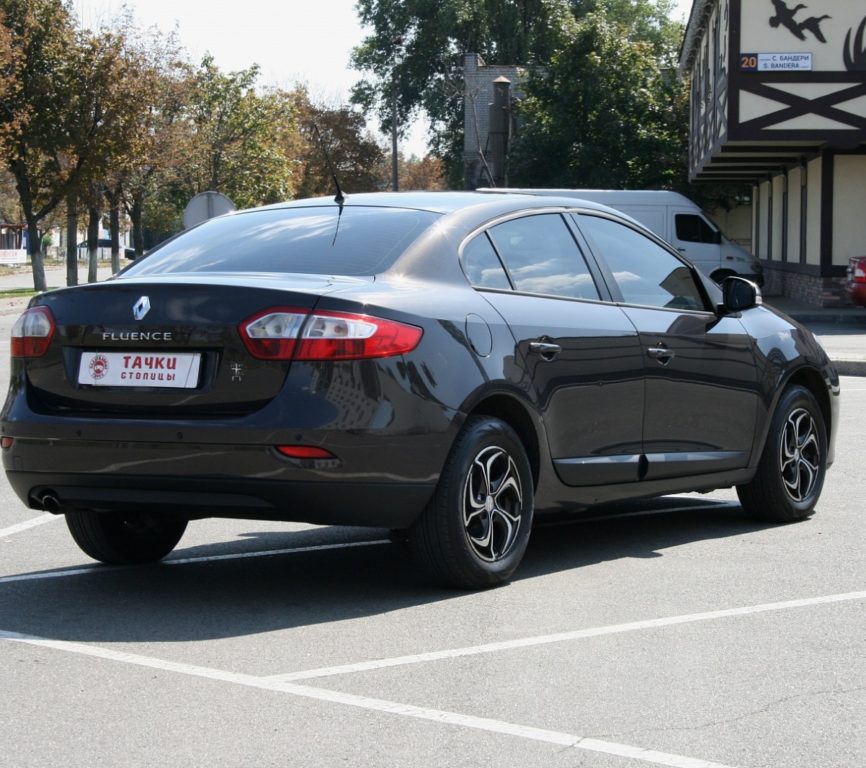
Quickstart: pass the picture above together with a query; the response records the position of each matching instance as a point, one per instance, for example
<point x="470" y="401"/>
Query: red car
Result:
<point x="857" y="280"/>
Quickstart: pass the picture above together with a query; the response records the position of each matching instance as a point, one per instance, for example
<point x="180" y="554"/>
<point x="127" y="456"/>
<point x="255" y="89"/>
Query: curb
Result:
<point x="850" y="367"/>
<point x="807" y="318"/>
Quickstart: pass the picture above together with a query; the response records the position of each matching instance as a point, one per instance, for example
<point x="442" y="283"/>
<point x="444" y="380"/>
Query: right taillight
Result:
<point x="32" y="332"/>
<point x="292" y="334"/>
<point x="859" y="273"/>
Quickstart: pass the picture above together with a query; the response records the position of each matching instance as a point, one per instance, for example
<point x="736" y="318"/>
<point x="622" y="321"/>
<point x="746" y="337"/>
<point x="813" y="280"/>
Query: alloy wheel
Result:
<point x="800" y="454"/>
<point x="492" y="504"/>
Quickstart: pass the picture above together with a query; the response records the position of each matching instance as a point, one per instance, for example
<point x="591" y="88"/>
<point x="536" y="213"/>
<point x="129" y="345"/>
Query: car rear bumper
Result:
<point x="379" y="505"/>
<point x="387" y="487"/>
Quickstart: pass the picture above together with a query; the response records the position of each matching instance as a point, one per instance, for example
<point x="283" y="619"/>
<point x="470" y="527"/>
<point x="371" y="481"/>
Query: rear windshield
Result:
<point x="362" y="241"/>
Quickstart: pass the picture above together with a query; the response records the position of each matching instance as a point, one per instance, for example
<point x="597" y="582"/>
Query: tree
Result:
<point x="646" y="21"/>
<point x="356" y="157"/>
<point x="38" y="77"/>
<point x="416" y="48"/>
<point x="106" y="126"/>
<point x="602" y="114"/>
<point x="236" y="147"/>
<point x="426" y="173"/>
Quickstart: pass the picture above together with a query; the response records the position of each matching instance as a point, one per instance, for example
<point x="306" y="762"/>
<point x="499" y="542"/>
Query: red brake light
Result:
<point x="272" y="334"/>
<point x="860" y="271"/>
<point x="343" y="336"/>
<point x="291" y="334"/>
<point x="32" y="332"/>
<point x="305" y="452"/>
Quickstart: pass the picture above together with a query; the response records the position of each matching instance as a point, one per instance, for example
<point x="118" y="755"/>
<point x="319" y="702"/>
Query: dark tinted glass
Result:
<point x="482" y="265"/>
<point x="542" y="257"/>
<point x="645" y="273"/>
<point x="693" y="229"/>
<point x="363" y="241"/>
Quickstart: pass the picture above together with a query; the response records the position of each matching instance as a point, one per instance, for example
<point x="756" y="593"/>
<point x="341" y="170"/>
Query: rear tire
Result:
<point x="791" y="471"/>
<point x="474" y="531"/>
<point x="125" y="538"/>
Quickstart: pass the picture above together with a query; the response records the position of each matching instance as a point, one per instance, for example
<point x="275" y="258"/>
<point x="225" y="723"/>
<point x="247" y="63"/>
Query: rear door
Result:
<point x="577" y="357"/>
<point x="701" y="375"/>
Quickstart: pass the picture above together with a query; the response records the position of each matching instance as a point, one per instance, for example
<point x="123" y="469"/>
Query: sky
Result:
<point x="293" y="41"/>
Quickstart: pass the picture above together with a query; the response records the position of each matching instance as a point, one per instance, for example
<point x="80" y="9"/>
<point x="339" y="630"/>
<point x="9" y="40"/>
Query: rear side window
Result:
<point x="482" y="265"/>
<point x="361" y="241"/>
<point x="541" y="257"/>
<point x="645" y="273"/>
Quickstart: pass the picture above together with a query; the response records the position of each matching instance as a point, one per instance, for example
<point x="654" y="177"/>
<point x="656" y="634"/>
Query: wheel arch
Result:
<point x="811" y="380"/>
<point x="517" y="416"/>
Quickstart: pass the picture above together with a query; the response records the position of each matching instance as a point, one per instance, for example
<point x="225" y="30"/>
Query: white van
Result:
<point x="675" y="218"/>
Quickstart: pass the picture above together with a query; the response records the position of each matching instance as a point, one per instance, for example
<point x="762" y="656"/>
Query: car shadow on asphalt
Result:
<point x="239" y="596"/>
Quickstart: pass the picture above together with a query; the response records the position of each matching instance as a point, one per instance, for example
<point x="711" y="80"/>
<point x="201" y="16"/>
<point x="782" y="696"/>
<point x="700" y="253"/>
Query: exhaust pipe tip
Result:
<point x="49" y="502"/>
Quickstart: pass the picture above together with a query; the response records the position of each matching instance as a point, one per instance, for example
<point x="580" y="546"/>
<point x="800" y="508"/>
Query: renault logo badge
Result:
<point x="141" y="308"/>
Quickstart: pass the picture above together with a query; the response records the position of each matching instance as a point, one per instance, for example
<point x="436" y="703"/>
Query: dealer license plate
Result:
<point x="132" y="369"/>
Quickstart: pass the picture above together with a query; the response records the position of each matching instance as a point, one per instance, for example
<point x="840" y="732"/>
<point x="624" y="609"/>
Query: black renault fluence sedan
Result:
<point x="445" y="365"/>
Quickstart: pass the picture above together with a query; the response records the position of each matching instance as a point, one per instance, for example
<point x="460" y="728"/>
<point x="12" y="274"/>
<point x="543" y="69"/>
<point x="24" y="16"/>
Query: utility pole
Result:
<point x="395" y="180"/>
<point x="395" y="168"/>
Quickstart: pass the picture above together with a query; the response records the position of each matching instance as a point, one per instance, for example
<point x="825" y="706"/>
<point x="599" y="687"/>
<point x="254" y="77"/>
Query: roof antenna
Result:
<point x="339" y="198"/>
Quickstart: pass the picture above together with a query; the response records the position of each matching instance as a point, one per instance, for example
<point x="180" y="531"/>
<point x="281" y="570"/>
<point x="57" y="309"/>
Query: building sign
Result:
<point x="775" y="62"/>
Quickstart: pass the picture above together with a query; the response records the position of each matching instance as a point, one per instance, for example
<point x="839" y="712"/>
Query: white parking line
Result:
<point x="27" y="524"/>
<point x="560" y="637"/>
<point x="91" y="569"/>
<point x="444" y="717"/>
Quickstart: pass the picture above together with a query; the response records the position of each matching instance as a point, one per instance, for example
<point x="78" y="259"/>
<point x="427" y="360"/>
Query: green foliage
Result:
<point x="37" y="78"/>
<point x="602" y="114"/>
<point x="416" y="49"/>
<point x="233" y="148"/>
<point x="357" y="158"/>
<point x="119" y="114"/>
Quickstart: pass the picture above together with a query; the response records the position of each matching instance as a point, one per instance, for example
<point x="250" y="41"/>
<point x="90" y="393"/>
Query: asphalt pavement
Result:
<point x="841" y="330"/>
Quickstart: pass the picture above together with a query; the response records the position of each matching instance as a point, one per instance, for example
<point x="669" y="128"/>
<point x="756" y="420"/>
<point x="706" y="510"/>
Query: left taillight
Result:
<point x="289" y="334"/>
<point x="32" y="332"/>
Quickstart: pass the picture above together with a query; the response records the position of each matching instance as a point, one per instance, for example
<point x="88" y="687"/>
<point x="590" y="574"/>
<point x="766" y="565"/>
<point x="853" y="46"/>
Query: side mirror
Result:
<point x="739" y="294"/>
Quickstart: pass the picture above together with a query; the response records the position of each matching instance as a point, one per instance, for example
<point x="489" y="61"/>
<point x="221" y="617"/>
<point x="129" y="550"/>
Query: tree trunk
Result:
<point x="114" y="195"/>
<point x="92" y="242"/>
<point x="135" y="215"/>
<point x="71" y="243"/>
<point x="114" y="228"/>
<point x="35" y="251"/>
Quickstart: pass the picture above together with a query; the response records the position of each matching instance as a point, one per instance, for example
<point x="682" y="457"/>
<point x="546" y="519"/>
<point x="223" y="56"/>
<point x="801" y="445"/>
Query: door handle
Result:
<point x="547" y="350"/>
<point x="661" y="353"/>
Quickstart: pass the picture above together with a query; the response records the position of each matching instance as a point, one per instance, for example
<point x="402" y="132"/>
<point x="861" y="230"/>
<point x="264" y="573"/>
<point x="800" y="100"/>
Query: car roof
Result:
<point x="439" y="202"/>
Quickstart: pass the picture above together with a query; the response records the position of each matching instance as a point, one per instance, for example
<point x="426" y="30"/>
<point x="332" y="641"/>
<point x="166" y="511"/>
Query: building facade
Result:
<point x="480" y="91"/>
<point x="778" y="101"/>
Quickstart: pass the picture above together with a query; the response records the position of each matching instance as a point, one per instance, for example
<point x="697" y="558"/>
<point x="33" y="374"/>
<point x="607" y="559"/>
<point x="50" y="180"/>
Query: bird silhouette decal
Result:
<point x="785" y="17"/>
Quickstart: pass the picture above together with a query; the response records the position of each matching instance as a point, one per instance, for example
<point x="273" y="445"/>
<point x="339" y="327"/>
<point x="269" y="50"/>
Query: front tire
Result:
<point x="124" y="538"/>
<point x="791" y="471"/>
<point x="474" y="531"/>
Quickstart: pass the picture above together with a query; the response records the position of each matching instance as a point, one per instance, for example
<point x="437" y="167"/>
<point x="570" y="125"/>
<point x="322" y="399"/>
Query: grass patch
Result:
<point x="12" y="293"/>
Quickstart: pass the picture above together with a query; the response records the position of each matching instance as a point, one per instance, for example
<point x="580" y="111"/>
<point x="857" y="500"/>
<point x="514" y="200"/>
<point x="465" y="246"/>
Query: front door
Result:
<point x="701" y="377"/>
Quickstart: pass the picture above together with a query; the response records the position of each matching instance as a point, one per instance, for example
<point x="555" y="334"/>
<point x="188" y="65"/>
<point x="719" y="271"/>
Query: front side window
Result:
<point x="541" y="256"/>
<point x="692" y="228"/>
<point x="645" y="273"/>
